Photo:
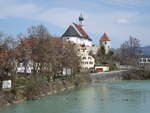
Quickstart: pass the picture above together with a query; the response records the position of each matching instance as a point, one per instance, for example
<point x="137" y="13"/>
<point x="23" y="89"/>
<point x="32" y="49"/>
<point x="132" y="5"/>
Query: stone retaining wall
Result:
<point x="108" y="76"/>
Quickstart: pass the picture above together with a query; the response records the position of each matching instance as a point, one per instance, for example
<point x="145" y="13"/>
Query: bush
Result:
<point x="32" y="90"/>
<point x="13" y="91"/>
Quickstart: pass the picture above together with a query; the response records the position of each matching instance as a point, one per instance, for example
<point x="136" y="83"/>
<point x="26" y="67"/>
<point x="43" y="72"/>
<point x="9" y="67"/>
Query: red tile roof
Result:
<point x="104" y="37"/>
<point x="26" y="43"/>
<point x="81" y="30"/>
<point x="2" y="55"/>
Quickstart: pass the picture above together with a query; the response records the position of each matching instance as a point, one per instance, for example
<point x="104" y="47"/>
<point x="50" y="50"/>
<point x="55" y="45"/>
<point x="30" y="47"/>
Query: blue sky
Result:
<point x="118" y="18"/>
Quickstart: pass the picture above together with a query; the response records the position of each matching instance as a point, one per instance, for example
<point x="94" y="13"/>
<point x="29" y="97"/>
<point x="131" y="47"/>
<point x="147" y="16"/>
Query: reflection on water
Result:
<point x="110" y="97"/>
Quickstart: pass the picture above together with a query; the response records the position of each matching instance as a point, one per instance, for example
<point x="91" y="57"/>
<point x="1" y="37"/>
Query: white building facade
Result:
<point x="87" y="62"/>
<point x="78" y="40"/>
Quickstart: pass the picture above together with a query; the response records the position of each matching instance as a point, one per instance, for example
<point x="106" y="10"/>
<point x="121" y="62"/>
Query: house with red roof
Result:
<point x="105" y="42"/>
<point x="76" y="33"/>
<point x="26" y="65"/>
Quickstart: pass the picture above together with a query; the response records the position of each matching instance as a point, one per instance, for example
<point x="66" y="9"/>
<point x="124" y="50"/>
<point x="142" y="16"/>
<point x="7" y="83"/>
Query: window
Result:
<point x="86" y="62"/>
<point x="141" y="59"/>
<point x="144" y="60"/>
<point x="148" y="60"/>
<point x="83" y="58"/>
<point x="89" y="58"/>
<point x="82" y="62"/>
<point x="90" y="62"/>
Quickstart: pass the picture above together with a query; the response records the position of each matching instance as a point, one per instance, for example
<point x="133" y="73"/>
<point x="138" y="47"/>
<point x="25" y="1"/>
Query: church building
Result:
<point x="76" y="34"/>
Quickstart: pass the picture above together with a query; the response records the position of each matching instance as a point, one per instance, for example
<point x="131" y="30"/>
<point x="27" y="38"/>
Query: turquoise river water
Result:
<point x="107" y="97"/>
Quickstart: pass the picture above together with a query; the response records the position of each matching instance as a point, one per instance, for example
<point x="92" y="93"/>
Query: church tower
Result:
<point x="105" y="42"/>
<point x="77" y="34"/>
<point x="81" y="20"/>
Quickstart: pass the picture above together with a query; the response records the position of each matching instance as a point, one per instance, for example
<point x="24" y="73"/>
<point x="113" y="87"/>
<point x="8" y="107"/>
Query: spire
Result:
<point x="81" y="19"/>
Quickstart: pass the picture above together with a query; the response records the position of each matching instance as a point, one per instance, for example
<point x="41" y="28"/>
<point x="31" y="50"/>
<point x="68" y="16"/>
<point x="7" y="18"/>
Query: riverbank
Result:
<point x="38" y="90"/>
<point x="137" y="75"/>
<point x="105" y="97"/>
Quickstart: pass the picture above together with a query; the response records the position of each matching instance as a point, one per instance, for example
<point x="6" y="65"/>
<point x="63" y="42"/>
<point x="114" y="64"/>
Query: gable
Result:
<point x="75" y="30"/>
<point x="71" y="32"/>
<point x="82" y="31"/>
<point x="104" y="37"/>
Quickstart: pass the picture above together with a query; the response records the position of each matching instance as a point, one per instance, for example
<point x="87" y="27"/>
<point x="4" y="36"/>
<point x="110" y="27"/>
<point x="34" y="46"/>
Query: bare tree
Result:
<point x="8" y="66"/>
<point x="101" y="57"/>
<point x="38" y="31"/>
<point x="49" y="55"/>
<point x="128" y="50"/>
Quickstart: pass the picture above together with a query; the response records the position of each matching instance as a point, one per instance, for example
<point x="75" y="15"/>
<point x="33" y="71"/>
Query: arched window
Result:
<point x="90" y="62"/>
<point x="83" y="58"/>
<point x="86" y="62"/>
<point x="89" y="58"/>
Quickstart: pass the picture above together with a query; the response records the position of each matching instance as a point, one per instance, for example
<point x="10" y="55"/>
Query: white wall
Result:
<point x="6" y="84"/>
<point x="21" y="68"/>
<point x="79" y="40"/>
<point x="105" y="68"/>
<point x="67" y="71"/>
<point x="106" y="45"/>
<point x="87" y="61"/>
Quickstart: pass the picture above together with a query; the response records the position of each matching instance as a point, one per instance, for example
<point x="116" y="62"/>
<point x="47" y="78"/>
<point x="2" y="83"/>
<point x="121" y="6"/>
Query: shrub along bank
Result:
<point x="37" y="90"/>
<point x="137" y="75"/>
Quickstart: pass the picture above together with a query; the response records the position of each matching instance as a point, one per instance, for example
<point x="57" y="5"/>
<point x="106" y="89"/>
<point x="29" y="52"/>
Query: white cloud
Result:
<point x="129" y="2"/>
<point x="13" y="9"/>
<point x="119" y="24"/>
<point x="122" y="21"/>
<point x="59" y="16"/>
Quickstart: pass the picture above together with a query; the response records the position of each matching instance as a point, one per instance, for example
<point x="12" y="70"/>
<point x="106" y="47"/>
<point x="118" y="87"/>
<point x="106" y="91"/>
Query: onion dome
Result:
<point x="81" y="18"/>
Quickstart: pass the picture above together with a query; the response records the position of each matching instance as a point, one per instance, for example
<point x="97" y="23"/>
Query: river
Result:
<point x="106" y="97"/>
